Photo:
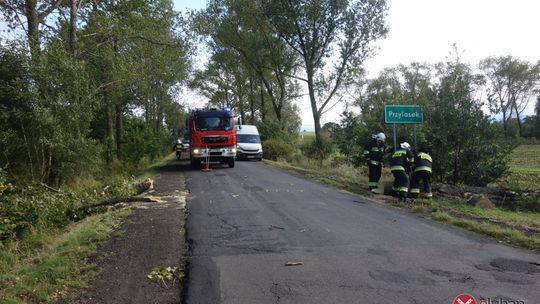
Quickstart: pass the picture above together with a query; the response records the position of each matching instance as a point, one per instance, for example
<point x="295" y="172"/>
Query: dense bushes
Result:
<point x="319" y="151"/>
<point x="36" y="208"/>
<point x="142" y="143"/>
<point x="275" y="149"/>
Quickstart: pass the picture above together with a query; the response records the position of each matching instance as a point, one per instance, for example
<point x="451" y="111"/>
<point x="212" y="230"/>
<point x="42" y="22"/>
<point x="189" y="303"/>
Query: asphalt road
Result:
<point x="246" y="223"/>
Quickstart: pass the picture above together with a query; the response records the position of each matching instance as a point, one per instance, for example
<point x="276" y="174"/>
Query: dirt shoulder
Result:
<point x="152" y="236"/>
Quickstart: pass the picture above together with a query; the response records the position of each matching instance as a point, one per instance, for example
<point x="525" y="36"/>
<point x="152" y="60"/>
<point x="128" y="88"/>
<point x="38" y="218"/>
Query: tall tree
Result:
<point x="512" y="83"/>
<point x="35" y="12"/>
<point x="239" y="26"/>
<point x="332" y="39"/>
<point x="467" y="147"/>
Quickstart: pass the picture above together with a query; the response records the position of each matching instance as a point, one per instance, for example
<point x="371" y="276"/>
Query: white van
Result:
<point x="248" y="142"/>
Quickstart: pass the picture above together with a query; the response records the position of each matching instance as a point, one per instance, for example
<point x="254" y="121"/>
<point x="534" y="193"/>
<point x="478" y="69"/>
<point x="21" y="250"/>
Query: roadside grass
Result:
<point x="46" y="261"/>
<point x="306" y="137"/>
<point x="514" y="227"/>
<point x="525" y="220"/>
<point x="44" y="266"/>
<point x="501" y="234"/>
<point x="524" y="169"/>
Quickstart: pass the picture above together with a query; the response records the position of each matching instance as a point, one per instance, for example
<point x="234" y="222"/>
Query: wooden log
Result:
<point x="50" y="188"/>
<point x="119" y="199"/>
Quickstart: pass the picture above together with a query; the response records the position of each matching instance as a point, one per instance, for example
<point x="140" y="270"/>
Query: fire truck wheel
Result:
<point x="231" y="163"/>
<point x="195" y="163"/>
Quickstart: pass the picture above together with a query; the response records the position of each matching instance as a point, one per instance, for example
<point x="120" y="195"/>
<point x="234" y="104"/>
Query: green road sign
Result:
<point x="399" y="114"/>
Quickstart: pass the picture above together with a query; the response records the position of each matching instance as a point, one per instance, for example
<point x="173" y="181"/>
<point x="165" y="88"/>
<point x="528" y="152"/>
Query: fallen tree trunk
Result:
<point x="499" y="196"/>
<point x="119" y="199"/>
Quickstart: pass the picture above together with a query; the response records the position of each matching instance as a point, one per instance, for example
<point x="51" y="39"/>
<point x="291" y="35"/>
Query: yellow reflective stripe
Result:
<point x="397" y="168"/>
<point x="429" y="195"/>
<point x="373" y="184"/>
<point x="414" y="190"/>
<point x="403" y="189"/>
<point x="425" y="156"/>
<point x="422" y="168"/>
<point x="375" y="149"/>
<point x="374" y="162"/>
<point x="398" y="153"/>
<point x="366" y="152"/>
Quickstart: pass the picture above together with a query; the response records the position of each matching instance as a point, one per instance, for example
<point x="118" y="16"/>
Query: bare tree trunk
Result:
<point x="505" y="126"/>
<point x="518" y="118"/>
<point x="147" y="109"/>
<point x="251" y="101"/>
<point x="72" y="25"/>
<point x="314" y="110"/>
<point x="275" y="105"/>
<point x="456" y="162"/>
<point x="110" y="129"/>
<point x="263" y="106"/>
<point x="119" y="128"/>
<point x="32" y="21"/>
<point x="28" y="151"/>
<point x="159" y="113"/>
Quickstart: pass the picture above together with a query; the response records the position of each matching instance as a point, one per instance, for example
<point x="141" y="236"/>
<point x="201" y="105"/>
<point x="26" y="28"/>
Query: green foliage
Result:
<point x="47" y="264"/>
<point x="529" y="203"/>
<point x="466" y="147"/>
<point x="3" y="176"/>
<point x="319" y="150"/>
<point x="248" y="63"/>
<point x="272" y="129"/>
<point x="140" y="141"/>
<point x="62" y="109"/>
<point x="350" y="136"/>
<point x="32" y="207"/>
<point x="317" y="29"/>
<point x="276" y="148"/>
<point x="511" y="82"/>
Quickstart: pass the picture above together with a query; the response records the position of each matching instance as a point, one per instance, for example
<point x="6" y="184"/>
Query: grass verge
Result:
<point x="45" y="265"/>
<point x="502" y="234"/>
<point x="48" y="257"/>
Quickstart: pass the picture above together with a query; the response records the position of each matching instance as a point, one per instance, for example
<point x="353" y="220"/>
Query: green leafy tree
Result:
<point x="318" y="30"/>
<point x="246" y="56"/>
<point x="407" y="85"/>
<point x="466" y="147"/>
<point x="511" y="85"/>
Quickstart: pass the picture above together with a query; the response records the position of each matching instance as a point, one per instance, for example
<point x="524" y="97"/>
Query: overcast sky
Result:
<point x="424" y="30"/>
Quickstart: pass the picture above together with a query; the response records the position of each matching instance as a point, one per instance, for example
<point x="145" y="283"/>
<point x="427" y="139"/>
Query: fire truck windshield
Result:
<point x="214" y="123"/>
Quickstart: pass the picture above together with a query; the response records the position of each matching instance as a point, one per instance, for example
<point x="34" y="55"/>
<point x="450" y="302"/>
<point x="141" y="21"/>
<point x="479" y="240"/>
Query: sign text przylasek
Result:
<point x="399" y="114"/>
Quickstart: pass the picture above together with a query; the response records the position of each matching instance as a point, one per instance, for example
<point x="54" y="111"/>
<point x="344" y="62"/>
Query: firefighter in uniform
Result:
<point x="373" y="153"/>
<point x="422" y="172"/>
<point x="400" y="165"/>
<point x="178" y="148"/>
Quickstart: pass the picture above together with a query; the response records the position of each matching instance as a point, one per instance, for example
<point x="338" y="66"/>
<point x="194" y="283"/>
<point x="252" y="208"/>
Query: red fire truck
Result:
<point x="212" y="136"/>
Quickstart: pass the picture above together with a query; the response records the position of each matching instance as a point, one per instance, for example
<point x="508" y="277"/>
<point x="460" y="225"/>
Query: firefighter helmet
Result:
<point x="405" y="145"/>
<point x="381" y="136"/>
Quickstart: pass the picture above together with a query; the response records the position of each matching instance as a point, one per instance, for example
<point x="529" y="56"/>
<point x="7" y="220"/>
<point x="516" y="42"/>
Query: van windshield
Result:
<point x="248" y="139"/>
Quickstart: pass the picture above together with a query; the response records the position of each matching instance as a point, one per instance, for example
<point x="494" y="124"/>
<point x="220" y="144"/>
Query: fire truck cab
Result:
<point x="212" y="136"/>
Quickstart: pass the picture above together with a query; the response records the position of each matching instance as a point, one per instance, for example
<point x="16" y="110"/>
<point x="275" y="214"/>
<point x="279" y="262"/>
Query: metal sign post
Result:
<point x="414" y="137"/>
<point x="395" y="139"/>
